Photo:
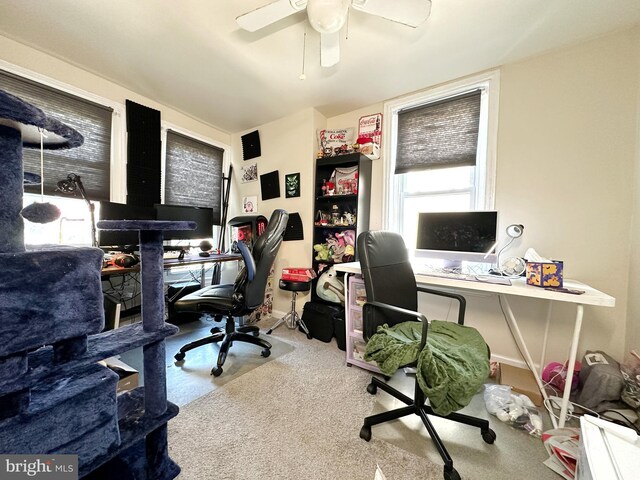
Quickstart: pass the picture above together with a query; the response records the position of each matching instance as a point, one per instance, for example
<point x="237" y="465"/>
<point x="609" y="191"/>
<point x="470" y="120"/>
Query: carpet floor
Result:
<point x="298" y="416"/>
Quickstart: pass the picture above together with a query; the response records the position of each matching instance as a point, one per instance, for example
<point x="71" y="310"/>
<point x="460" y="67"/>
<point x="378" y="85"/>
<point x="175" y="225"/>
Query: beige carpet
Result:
<point x="299" y="417"/>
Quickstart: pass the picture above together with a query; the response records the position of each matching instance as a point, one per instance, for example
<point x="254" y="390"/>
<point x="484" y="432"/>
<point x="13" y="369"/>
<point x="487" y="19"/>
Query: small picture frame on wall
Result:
<point x="249" y="173"/>
<point x="292" y="185"/>
<point x="250" y="204"/>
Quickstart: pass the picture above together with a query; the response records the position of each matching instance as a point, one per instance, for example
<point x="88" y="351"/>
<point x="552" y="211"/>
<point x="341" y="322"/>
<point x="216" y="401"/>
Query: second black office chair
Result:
<point x="392" y="298"/>
<point x="239" y="298"/>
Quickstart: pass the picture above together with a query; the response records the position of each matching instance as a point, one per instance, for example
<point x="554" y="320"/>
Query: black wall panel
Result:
<point x="143" y="155"/>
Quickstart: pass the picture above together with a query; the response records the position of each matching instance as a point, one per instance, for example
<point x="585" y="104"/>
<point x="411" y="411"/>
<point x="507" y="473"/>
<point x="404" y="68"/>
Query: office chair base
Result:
<point x="418" y="407"/>
<point x="246" y="333"/>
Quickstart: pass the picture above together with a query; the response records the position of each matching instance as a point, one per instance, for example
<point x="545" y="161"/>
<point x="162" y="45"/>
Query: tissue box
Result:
<point x="544" y="274"/>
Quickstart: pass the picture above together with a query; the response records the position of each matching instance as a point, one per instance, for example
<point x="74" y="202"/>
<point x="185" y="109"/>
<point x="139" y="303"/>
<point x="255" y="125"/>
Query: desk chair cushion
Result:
<point x="214" y="298"/>
<point x="450" y="369"/>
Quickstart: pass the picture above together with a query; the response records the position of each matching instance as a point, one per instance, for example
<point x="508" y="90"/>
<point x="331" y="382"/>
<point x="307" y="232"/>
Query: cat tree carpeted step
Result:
<point x="51" y="422"/>
<point x="59" y="298"/>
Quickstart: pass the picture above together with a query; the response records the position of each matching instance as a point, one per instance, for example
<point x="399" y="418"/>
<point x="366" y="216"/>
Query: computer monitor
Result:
<point x="457" y="237"/>
<point x="121" y="240"/>
<point x="202" y="216"/>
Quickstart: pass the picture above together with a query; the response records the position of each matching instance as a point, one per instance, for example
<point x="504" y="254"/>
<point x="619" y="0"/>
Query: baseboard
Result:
<point x="511" y="361"/>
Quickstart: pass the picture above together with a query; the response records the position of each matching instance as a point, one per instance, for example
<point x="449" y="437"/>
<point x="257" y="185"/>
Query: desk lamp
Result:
<point x="73" y="184"/>
<point x="513" y="266"/>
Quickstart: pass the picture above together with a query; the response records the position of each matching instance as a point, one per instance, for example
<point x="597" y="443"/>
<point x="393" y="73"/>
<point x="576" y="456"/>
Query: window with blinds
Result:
<point x="193" y="174"/>
<point x="439" y="134"/>
<point x="91" y="161"/>
<point x="440" y="148"/>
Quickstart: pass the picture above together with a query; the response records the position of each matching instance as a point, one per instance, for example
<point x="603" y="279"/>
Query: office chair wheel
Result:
<point x="365" y="433"/>
<point x="216" y="371"/>
<point x="179" y="356"/>
<point x="265" y="353"/>
<point x="451" y="474"/>
<point x="215" y="330"/>
<point x="372" y="388"/>
<point x="489" y="436"/>
<point x="256" y="333"/>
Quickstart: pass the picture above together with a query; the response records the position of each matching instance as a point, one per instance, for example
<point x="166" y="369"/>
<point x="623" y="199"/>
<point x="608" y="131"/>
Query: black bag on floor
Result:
<point x="319" y="319"/>
<point x="340" y="330"/>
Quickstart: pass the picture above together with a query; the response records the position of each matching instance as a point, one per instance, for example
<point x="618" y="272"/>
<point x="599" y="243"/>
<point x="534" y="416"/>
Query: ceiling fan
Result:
<point x="328" y="16"/>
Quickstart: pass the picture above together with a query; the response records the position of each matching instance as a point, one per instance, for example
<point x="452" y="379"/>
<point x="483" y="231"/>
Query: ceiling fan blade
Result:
<point x="408" y="12"/>
<point x="329" y="49"/>
<point x="270" y="13"/>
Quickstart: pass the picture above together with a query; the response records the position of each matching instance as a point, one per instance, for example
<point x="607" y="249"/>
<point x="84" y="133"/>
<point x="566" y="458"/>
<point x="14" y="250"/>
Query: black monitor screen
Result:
<point x="120" y="211"/>
<point x="457" y="231"/>
<point x="202" y="216"/>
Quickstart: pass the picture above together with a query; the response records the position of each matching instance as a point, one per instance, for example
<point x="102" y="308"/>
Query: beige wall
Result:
<point x="567" y="168"/>
<point x="633" y="312"/>
<point x="288" y="146"/>
<point x="567" y="153"/>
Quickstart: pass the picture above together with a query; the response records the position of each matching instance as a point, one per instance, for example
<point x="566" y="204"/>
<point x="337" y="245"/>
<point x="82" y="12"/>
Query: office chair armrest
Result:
<point x="462" y="301"/>
<point x="249" y="263"/>
<point x="392" y="308"/>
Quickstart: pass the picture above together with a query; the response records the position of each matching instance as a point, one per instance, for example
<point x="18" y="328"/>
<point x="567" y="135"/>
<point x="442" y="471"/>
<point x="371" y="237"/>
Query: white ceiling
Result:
<point x="190" y="54"/>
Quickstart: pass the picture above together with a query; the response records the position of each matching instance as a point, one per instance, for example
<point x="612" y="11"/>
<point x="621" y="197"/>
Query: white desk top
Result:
<point x="518" y="288"/>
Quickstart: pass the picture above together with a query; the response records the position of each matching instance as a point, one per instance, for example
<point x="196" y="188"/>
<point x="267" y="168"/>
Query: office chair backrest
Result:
<point x="251" y="292"/>
<point x="388" y="277"/>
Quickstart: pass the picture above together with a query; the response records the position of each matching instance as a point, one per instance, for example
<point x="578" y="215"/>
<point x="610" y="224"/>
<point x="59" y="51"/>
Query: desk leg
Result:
<point x="572" y="361"/>
<point x="517" y="336"/>
<point x="546" y="335"/>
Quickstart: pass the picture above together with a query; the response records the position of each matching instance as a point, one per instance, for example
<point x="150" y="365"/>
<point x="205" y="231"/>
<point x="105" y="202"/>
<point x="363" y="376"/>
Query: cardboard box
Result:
<point x="545" y="274"/>
<point x="520" y="380"/>
<point x="129" y="377"/>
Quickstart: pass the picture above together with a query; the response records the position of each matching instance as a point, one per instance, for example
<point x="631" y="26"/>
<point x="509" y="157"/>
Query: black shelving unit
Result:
<point x="341" y="216"/>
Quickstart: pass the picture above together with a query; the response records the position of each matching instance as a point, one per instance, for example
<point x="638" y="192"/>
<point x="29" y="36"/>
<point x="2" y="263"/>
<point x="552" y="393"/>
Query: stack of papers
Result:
<point x="562" y="446"/>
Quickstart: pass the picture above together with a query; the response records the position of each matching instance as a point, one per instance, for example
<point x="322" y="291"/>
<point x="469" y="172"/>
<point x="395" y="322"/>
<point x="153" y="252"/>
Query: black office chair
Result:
<point x="392" y="298"/>
<point x="239" y="298"/>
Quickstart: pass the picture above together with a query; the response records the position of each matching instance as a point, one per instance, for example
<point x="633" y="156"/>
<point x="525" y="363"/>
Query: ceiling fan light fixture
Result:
<point x="327" y="16"/>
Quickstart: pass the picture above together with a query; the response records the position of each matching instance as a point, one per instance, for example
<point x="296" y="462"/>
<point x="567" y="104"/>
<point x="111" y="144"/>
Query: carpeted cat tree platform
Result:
<point x="54" y="396"/>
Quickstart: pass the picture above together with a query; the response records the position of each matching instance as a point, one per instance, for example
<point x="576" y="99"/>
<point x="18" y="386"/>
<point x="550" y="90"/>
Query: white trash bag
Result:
<point x="513" y="408"/>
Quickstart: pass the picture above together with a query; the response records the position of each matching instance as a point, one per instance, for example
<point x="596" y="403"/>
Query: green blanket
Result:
<point x="450" y="369"/>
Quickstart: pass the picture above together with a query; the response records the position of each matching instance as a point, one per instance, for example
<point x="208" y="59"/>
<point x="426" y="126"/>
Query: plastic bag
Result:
<point x="513" y="408"/>
<point x="630" y="370"/>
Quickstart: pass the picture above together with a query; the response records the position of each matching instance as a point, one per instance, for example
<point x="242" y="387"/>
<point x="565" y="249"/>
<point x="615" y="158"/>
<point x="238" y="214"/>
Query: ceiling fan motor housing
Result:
<point x="327" y="16"/>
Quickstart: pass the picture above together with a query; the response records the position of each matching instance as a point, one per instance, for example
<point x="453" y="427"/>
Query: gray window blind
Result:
<point x="193" y="174"/>
<point x="439" y="134"/>
<point x="91" y="161"/>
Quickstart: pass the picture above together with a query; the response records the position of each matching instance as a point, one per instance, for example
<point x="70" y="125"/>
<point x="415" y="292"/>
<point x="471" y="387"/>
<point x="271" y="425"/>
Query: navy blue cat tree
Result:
<point x="54" y="396"/>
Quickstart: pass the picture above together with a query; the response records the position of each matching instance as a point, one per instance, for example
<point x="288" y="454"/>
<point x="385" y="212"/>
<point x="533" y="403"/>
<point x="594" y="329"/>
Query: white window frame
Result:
<point x="489" y="84"/>
<point x="118" y="167"/>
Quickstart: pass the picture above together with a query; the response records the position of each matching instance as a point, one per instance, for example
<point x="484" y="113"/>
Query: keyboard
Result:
<point x="470" y="277"/>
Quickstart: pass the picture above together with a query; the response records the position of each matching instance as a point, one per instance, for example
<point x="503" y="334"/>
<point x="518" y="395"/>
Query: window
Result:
<point x="95" y="161"/>
<point x="439" y="152"/>
<point x="91" y="161"/>
<point x="193" y="173"/>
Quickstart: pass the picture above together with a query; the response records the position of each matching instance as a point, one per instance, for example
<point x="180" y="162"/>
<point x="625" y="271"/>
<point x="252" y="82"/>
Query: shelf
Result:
<point x="100" y="346"/>
<point x="337" y="227"/>
<point x="330" y="198"/>
<point x="134" y="425"/>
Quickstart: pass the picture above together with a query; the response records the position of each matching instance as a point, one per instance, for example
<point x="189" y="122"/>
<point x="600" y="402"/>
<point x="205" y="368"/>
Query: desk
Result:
<point x="519" y="288"/>
<point x="168" y="264"/>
